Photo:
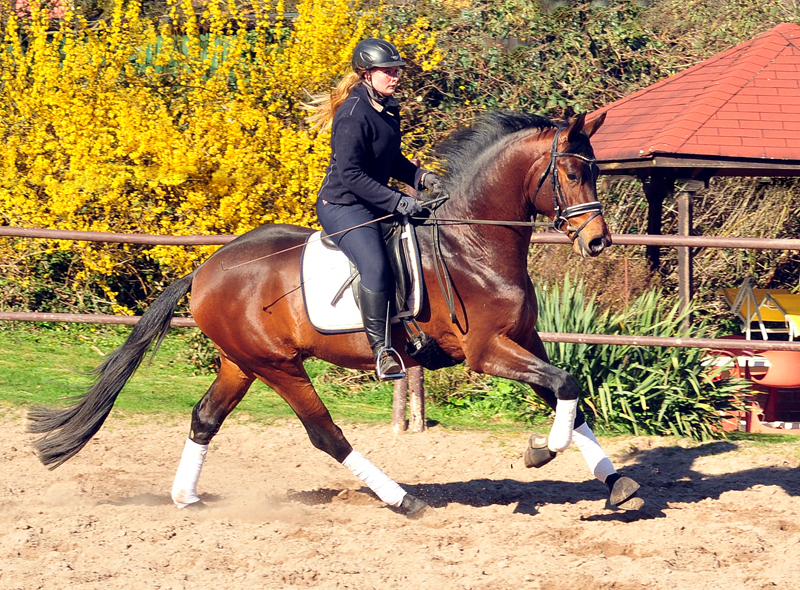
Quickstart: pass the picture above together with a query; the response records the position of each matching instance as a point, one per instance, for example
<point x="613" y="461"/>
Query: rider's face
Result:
<point x="384" y="80"/>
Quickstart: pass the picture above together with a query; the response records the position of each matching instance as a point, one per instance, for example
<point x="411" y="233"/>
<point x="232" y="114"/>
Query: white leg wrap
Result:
<point x="384" y="487"/>
<point x="184" y="488"/>
<point x="597" y="460"/>
<point x="561" y="433"/>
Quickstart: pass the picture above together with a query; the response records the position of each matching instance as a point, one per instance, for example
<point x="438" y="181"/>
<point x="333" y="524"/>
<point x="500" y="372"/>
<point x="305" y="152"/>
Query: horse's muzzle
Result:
<point x="591" y="246"/>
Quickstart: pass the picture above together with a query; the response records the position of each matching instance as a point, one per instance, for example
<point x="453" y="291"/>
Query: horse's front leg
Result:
<point x="505" y="358"/>
<point x="502" y="357"/>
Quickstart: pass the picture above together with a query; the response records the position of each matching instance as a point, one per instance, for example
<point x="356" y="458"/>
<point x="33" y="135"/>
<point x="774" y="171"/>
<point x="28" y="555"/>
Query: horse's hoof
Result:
<point x="538" y="454"/>
<point x="194" y="506"/>
<point x="623" y="494"/>
<point x="413" y="507"/>
<point x="634" y="503"/>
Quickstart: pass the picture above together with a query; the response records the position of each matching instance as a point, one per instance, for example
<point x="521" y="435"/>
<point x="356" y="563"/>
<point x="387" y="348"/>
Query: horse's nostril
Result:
<point x="597" y="245"/>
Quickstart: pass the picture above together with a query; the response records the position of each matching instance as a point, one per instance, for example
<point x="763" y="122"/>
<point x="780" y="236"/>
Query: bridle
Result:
<point x="563" y="213"/>
<point x="560" y="222"/>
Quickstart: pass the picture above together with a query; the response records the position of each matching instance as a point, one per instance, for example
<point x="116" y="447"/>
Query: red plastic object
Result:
<point x="783" y="370"/>
<point x="782" y="373"/>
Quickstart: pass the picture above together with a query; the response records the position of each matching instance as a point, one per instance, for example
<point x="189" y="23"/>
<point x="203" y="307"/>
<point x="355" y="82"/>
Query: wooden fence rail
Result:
<point x="537" y="238"/>
<point x="414" y="383"/>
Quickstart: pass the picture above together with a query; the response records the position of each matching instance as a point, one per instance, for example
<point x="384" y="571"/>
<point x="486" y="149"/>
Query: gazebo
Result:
<point x="735" y="114"/>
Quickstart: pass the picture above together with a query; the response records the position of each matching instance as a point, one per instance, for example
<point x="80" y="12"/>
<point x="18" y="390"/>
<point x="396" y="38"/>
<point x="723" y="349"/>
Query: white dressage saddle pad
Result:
<point x="323" y="271"/>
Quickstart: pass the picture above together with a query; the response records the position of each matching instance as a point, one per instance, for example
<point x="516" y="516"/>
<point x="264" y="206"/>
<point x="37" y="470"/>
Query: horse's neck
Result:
<point x="500" y="188"/>
<point x="488" y="239"/>
<point x="498" y="191"/>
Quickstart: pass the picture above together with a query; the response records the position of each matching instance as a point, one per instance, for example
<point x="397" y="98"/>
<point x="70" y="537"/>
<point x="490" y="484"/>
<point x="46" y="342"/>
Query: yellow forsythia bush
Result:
<point x="181" y="127"/>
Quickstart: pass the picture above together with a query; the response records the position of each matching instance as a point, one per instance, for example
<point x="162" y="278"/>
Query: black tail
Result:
<point x="68" y="429"/>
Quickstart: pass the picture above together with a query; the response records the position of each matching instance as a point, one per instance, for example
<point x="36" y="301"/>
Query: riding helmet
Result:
<point x="375" y="53"/>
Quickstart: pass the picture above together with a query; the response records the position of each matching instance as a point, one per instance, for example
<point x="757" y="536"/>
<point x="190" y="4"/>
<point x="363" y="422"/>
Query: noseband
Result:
<point x="563" y="213"/>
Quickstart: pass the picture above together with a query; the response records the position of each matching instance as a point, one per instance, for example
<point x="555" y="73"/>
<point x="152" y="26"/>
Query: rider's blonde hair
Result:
<point x="324" y="106"/>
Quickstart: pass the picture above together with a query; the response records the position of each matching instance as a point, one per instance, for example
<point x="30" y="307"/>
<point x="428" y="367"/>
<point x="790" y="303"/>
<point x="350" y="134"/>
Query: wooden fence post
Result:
<point x="416" y="384"/>
<point x="399" y="400"/>
<point x="685" y="228"/>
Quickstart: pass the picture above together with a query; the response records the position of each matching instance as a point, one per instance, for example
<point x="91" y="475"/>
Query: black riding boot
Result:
<point x="374" y="312"/>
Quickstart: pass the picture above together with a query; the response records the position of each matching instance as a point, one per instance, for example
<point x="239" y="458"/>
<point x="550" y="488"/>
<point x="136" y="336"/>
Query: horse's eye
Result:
<point x="572" y="177"/>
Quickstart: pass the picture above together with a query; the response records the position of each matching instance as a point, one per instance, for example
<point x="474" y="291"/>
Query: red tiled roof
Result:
<point x="742" y="103"/>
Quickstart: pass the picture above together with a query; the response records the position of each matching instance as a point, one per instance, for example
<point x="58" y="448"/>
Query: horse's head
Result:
<point x="571" y="177"/>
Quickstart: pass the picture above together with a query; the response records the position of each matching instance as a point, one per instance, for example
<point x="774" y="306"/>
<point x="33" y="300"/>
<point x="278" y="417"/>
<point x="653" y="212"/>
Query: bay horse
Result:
<point x="499" y="173"/>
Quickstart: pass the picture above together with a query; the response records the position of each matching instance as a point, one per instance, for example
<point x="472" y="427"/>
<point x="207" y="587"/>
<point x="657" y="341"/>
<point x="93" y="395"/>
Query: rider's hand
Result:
<point x="432" y="182"/>
<point x="408" y="206"/>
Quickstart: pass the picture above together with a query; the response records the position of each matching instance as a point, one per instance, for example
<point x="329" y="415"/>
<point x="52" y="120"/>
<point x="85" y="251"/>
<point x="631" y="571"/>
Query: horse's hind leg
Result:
<point x="221" y="398"/>
<point x="291" y="382"/>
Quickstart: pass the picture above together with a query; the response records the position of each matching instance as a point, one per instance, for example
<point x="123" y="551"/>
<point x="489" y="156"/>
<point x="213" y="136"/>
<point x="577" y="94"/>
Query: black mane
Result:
<point x="462" y="148"/>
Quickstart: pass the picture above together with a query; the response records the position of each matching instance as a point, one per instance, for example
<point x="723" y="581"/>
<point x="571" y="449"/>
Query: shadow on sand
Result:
<point x="665" y="474"/>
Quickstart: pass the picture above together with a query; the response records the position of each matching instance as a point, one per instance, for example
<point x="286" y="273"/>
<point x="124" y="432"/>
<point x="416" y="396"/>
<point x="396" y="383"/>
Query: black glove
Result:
<point x="432" y="182"/>
<point x="408" y="206"/>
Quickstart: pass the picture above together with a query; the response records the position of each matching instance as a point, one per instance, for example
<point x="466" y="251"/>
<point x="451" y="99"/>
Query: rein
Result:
<point x="456" y="221"/>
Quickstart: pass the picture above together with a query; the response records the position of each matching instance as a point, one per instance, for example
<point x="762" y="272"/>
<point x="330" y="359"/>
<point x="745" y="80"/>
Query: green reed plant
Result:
<point x="637" y="389"/>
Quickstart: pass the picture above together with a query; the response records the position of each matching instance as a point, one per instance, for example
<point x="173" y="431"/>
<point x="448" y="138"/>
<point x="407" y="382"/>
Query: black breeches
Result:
<point x="364" y="245"/>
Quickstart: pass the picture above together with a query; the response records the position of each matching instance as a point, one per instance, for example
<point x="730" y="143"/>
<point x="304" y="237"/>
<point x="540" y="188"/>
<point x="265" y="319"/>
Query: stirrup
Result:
<point x="388" y="349"/>
<point x="396" y="357"/>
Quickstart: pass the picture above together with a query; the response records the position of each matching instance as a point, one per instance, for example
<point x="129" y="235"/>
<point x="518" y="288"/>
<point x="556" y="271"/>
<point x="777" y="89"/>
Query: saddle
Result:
<point x="330" y="281"/>
<point x="330" y="287"/>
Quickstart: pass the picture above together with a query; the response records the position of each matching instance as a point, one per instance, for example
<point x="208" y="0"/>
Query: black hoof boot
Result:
<point x="537" y="454"/>
<point x="622" y="492"/>
<point x="413" y="507"/>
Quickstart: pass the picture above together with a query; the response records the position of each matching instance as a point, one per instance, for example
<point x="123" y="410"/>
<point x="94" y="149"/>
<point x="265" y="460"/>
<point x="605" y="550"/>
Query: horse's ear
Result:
<point x="592" y="126"/>
<point x="575" y="128"/>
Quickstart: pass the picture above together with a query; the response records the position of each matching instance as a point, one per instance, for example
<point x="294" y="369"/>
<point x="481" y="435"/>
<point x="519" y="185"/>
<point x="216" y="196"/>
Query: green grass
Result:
<point x="41" y="365"/>
<point x="45" y="364"/>
<point x="758" y="440"/>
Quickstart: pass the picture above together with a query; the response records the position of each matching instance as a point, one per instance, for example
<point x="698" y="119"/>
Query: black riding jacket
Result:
<point x="365" y="153"/>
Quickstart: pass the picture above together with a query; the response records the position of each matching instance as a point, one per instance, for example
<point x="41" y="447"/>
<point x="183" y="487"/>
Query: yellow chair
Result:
<point x="758" y="309"/>
<point x="789" y="305"/>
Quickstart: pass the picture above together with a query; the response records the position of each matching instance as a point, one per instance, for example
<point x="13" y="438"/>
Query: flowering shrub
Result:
<point x="191" y="126"/>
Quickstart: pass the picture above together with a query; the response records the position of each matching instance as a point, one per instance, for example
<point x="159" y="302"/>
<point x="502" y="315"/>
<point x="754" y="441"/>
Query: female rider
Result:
<point x="365" y="153"/>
